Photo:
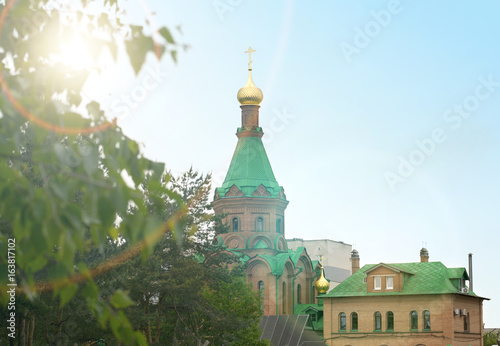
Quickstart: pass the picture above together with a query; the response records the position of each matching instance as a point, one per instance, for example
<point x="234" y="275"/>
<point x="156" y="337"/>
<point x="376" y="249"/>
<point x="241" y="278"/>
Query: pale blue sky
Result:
<point x="337" y="123"/>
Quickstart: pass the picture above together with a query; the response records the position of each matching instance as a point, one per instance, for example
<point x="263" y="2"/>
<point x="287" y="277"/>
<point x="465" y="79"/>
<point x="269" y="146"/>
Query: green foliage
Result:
<point x="64" y="166"/>
<point x="491" y="338"/>
<point x="83" y="203"/>
<point x="178" y="296"/>
<point x="120" y="299"/>
<point x="172" y="296"/>
<point x="240" y="327"/>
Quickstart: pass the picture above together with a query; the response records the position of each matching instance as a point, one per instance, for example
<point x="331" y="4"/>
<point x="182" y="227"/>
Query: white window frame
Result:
<point x="391" y="287"/>
<point x="379" y="279"/>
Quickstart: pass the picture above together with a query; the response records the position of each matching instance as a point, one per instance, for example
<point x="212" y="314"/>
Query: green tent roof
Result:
<point x="419" y="278"/>
<point x="249" y="169"/>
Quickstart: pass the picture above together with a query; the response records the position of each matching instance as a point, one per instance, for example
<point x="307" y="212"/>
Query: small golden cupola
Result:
<point x="322" y="285"/>
<point x="250" y="94"/>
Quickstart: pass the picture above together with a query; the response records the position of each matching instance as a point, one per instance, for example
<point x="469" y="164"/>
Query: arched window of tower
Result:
<point x="259" y="224"/>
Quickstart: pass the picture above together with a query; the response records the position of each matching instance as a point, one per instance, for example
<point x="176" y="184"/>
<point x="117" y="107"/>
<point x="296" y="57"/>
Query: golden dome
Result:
<point x="250" y="94"/>
<point x="322" y="284"/>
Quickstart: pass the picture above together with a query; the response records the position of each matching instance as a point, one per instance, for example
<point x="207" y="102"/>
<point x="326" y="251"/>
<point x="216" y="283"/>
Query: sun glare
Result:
<point x="74" y="53"/>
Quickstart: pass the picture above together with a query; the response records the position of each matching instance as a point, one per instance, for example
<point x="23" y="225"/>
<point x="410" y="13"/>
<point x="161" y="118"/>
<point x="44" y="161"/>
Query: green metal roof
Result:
<point x="260" y="245"/>
<point x="295" y="255"/>
<point x="276" y="262"/>
<point x="249" y="169"/>
<point x="300" y="309"/>
<point x="241" y="256"/>
<point x="419" y="278"/>
<point x="457" y="273"/>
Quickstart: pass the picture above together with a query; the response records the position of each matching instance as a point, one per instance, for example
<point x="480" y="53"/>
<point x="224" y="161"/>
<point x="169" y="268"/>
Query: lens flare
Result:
<point x="75" y="53"/>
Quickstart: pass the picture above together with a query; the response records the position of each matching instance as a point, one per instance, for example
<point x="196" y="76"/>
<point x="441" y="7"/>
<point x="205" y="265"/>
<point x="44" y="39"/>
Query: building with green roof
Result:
<point x="253" y="205"/>
<point x="422" y="303"/>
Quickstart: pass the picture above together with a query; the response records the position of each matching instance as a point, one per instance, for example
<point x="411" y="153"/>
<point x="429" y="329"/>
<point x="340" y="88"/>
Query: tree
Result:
<point x="184" y="292"/>
<point x="64" y="166"/>
<point x="174" y="296"/>
<point x="491" y="338"/>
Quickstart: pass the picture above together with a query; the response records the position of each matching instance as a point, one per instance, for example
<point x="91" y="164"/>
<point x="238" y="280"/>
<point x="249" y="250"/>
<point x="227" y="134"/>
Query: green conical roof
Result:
<point x="249" y="169"/>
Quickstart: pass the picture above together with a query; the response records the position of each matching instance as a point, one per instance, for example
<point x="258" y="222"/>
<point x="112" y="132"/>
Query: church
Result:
<point x="375" y="304"/>
<point x="254" y="206"/>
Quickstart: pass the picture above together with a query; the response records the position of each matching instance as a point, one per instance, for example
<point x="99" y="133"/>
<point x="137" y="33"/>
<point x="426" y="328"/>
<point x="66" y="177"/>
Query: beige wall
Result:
<point x="384" y="272"/>
<point x="247" y="209"/>
<point x="259" y="270"/>
<point x="474" y="311"/>
<point x="335" y="254"/>
<point x="304" y="280"/>
<point x="444" y="329"/>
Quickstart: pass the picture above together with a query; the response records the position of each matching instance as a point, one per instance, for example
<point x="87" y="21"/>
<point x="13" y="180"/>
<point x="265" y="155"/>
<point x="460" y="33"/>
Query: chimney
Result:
<point x="470" y="272"/>
<point x="424" y="255"/>
<point x="354" y="261"/>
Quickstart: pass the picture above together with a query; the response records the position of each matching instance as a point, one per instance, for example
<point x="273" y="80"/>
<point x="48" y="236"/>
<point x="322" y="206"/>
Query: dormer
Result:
<point x="385" y="278"/>
<point x="459" y="278"/>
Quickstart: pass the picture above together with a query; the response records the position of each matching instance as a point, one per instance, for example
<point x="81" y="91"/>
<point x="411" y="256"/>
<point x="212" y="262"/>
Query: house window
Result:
<point x="378" y="321"/>
<point x="342" y="322"/>
<point x="389" y="282"/>
<point x="278" y="225"/>
<point x="235" y="224"/>
<point x="261" y="294"/>
<point x="414" y="320"/>
<point x="427" y="320"/>
<point x="377" y="282"/>
<point x="299" y="291"/>
<point x="354" y="322"/>
<point x="390" y="321"/>
<point x="259" y="224"/>
<point x="284" y="298"/>
<point x="261" y="289"/>
<point x="467" y="322"/>
<point x="461" y="284"/>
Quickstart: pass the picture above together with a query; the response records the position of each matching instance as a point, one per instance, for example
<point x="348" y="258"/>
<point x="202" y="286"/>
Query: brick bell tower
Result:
<point x="250" y="196"/>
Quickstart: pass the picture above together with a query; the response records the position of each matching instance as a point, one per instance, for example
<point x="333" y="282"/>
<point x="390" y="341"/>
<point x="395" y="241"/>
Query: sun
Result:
<point x="74" y="52"/>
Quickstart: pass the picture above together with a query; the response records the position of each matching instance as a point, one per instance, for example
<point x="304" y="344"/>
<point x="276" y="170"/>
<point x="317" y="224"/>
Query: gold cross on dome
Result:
<point x="250" y="51"/>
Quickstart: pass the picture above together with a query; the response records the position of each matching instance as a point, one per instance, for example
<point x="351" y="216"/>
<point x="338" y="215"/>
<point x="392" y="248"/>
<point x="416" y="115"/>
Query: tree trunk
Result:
<point x="22" y="331"/>
<point x="148" y="323"/>
<point x="157" y="331"/>
<point x="31" y="329"/>
<point x="59" y="328"/>
<point x="158" y="321"/>
<point x="12" y="342"/>
<point x="46" y="335"/>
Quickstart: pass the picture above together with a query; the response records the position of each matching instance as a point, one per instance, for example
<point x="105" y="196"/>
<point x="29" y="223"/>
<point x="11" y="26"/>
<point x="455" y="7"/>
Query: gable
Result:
<point x="395" y="268"/>
<point x="382" y="270"/>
